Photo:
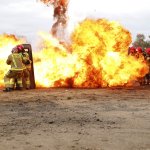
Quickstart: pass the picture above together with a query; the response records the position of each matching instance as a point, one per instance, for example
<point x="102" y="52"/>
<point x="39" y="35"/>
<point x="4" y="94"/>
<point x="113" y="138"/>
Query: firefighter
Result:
<point x="27" y="63"/>
<point x="147" y="58"/>
<point x="132" y="51"/>
<point x="139" y="53"/>
<point x="16" y="71"/>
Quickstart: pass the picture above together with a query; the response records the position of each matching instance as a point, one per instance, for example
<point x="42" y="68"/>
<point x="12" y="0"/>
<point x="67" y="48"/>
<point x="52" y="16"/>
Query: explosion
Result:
<point x="7" y="42"/>
<point x="60" y="10"/>
<point x="97" y="57"/>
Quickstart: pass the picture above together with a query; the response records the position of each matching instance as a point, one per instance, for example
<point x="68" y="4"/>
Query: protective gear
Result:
<point x="8" y="90"/>
<point x="20" y="48"/>
<point x="132" y="49"/>
<point x="147" y="51"/>
<point x="26" y="74"/>
<point x="11" y="76"/>
<point x="27" y="60"/>
<point x="26" y="71"/>
<point x="139" y="53"/>
<point x="16" y="62"/>
<point x="139" y="50"/>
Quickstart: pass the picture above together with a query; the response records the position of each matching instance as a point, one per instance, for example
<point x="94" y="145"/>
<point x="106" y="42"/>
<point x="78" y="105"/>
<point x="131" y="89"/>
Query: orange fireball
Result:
<point x="98" y="58"/>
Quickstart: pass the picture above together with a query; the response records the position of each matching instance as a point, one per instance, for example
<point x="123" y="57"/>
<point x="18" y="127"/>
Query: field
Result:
<point x="75" y="119"/>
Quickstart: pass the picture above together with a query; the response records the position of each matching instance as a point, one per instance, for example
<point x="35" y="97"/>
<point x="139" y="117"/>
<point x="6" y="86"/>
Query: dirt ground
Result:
<point x="75" y="119"/>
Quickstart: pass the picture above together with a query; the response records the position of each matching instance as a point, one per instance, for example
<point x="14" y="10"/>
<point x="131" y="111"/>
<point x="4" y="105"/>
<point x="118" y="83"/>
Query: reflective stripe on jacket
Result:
<point x="16" y="62"/>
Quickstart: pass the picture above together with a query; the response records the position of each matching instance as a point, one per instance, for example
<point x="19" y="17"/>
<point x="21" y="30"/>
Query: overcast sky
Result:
<point x="27" y="17"/>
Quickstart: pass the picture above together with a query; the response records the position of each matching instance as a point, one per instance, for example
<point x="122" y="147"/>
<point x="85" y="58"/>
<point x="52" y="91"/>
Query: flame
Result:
<point x="7" y="42"/>
<point x="56" y="63"/>
<point x="97" y="57"/>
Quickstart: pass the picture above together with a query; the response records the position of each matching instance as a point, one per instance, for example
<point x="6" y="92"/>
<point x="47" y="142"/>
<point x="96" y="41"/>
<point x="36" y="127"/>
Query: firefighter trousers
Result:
<point x="11" y="76"/>
<point x="26" y="74"/>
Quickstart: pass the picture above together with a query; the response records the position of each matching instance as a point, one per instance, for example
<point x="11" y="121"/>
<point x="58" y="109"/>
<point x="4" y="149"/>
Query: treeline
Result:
<point x="142" y="41"/>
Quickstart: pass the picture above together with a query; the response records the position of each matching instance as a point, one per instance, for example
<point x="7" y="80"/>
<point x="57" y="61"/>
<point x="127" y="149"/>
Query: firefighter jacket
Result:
<point x="27" y="60"/>
<point x="16" y="62"/>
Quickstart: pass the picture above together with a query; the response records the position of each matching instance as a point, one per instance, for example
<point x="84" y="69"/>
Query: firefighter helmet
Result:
<point x="147" y="51"/>
<point x="20" y="48"/>
<point x="132" y="49"/>
<point x="139" y="49"/>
